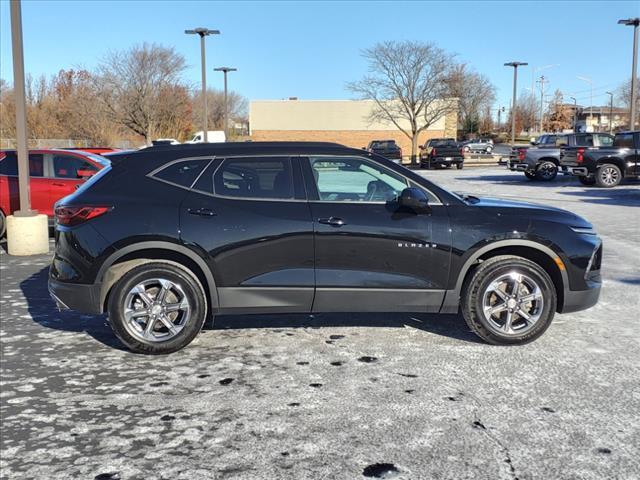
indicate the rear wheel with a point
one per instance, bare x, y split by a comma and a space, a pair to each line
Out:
588, 181
547, 171
608, 175
157, 308
509, 300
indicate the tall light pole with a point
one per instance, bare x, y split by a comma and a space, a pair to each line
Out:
226, 70
515, 66
542, 81
610, 111
634, 69
590, 82
203, 32
575, 112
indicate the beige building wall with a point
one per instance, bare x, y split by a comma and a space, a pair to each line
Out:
341, 121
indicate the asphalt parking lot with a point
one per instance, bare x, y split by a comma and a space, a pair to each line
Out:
335, 396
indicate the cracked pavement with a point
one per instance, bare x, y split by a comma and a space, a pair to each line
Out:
335, 396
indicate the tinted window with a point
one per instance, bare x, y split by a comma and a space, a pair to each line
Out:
350, 179
9, 164
623, 140
65, 166
254, 178
584, 140
182, 173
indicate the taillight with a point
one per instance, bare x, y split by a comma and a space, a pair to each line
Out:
580, 155
71, 215
434, 152
521, 154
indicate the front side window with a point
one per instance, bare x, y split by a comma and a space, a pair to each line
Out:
354, 179
65, 166
266, 178
584, 140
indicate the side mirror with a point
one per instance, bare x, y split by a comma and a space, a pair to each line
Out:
84, 173
414, 199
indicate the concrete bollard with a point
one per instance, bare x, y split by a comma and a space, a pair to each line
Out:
27, 235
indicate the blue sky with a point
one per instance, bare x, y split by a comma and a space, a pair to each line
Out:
311, 49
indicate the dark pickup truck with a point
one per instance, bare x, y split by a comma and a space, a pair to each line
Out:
386, 148
441, 152
605, 166
542, 162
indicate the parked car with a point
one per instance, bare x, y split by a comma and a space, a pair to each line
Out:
441, 152
543, 162
605, 166
53, 175
169, 236
213, 136
96, 150
479, 145
386, 148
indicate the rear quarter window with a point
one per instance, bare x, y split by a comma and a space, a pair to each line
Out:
623, 140
182, 172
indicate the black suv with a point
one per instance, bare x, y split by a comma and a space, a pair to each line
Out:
167, 236
386, 148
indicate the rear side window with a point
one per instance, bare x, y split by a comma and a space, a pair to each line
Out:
182, 173
605, 140
585, 140
623, 140
9, 164
268, 178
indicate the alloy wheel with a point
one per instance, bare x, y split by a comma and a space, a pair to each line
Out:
609, 176
156, 310
512, 303
547, 171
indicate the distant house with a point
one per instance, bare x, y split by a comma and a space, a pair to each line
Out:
341, 121
598, 119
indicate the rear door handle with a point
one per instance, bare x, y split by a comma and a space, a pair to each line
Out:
202, 212
333, 221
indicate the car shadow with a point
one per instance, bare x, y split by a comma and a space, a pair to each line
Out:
517, 178
43, 311
625, 197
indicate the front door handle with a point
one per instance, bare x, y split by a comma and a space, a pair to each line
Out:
202, 212
333, 221
58, 184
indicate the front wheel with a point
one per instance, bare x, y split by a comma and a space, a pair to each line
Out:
587, 181
489, 149
157, 308
530, 175
509, 300
608, 176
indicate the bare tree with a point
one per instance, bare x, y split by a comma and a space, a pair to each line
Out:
139, 86
623, 94
407, 82
238, 107
474, 92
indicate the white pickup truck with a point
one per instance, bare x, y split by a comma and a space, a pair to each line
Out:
213, 136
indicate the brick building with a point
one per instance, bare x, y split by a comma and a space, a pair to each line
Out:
341, 121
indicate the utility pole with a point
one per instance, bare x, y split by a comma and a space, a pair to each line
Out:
515, 66
610, 111
542, 81
635, 22
590, 82
575, 113
225, 70
203, 32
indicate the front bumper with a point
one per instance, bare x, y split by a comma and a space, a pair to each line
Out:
76, 296
575, 301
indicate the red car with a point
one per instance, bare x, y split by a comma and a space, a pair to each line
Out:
53, 174
98, 150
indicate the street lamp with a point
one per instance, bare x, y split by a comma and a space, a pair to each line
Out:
203, 32
575, 113
590, 82
610, 111
634, 68
515, 66
226, 70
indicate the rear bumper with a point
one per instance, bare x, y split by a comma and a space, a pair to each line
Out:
579, 171
76, 296
575, 301
441, 161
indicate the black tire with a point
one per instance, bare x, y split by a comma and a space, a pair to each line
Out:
608, 175
530, 175
191, 288
3, 224
587, 181
487, 273
547, 171
460, 166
